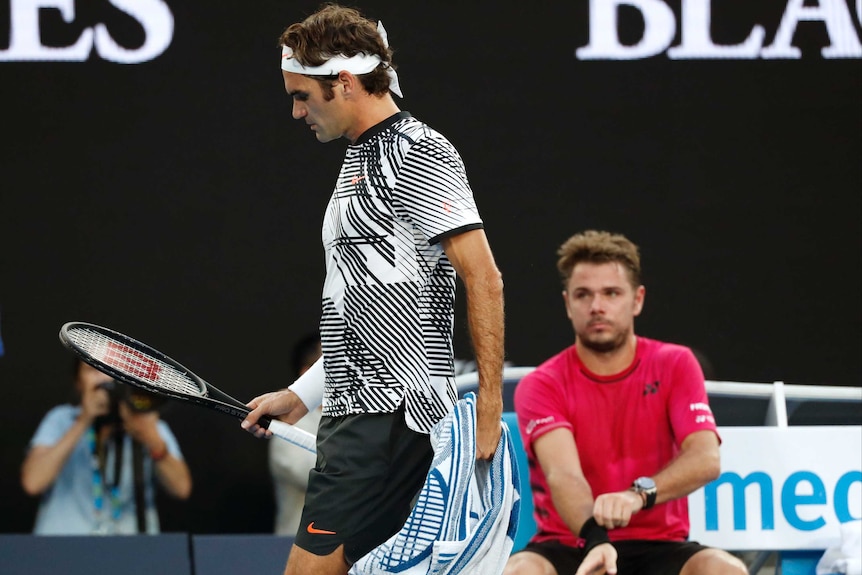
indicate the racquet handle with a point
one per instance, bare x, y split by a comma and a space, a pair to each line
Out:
292, 434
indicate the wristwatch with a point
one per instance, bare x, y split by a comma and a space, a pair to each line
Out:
645, 486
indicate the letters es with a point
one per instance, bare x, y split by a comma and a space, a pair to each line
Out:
660, 27
25, 38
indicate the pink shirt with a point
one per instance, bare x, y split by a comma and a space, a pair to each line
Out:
625, 426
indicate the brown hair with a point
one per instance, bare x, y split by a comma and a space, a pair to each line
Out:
597, 248
334, 30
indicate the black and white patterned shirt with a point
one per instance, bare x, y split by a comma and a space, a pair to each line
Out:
389, 296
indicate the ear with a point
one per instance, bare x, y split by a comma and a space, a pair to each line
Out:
347, 83
640, 295
565, 295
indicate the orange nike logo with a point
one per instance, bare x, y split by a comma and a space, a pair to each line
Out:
312, 529
356, 179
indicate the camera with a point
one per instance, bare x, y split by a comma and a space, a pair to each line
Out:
138, 400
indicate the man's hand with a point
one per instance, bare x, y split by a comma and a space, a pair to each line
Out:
94, 402
142, 427
613, 510
489, 412
172, 473
283, 405
601, 559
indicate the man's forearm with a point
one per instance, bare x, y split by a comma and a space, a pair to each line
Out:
43, 464
697, 464
486, 319
573, 500
174, 476
487, 326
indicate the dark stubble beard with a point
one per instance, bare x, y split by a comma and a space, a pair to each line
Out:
606, 345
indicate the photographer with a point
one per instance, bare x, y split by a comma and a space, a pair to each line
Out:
94, 464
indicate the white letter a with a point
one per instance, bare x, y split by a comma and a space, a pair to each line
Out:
839, 26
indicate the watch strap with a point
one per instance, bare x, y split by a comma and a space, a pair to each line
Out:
649, 498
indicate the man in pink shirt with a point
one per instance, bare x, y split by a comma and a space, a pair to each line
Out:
618, 431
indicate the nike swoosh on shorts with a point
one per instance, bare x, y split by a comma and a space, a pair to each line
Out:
312, 529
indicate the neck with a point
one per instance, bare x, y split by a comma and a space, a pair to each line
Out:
608, 362
370, 111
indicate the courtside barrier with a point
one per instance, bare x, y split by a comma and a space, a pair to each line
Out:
166, 554
784, 489
228, 554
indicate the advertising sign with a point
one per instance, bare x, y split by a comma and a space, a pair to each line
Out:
781, 488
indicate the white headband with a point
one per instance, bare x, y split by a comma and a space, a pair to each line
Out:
359, 64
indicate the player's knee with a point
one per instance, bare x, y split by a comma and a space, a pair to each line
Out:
714, 562
526, 563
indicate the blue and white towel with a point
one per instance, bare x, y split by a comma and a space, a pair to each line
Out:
465, 519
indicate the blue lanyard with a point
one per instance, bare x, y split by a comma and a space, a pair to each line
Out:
99, 488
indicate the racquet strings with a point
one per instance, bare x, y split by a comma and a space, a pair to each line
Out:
133, 362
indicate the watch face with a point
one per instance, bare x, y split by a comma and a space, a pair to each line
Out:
645, 483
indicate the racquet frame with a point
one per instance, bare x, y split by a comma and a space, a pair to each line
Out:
209, 396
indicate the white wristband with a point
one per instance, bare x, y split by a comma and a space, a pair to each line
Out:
309, 385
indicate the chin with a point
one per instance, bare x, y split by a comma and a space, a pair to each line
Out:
603, 345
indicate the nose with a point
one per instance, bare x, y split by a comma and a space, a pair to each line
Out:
299, 110
597, 305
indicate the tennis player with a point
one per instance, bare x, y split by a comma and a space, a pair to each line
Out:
401, 224
618, 431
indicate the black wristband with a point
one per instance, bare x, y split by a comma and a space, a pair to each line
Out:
593, 534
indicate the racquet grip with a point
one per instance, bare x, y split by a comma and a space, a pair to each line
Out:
294, 435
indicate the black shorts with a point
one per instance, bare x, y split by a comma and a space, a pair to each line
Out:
635, 557
369, 469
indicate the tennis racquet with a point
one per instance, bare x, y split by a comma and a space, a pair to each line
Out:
137, 364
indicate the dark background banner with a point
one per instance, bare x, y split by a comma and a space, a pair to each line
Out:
174, 198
